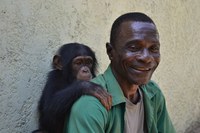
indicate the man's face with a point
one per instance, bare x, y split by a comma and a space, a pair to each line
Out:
136, 52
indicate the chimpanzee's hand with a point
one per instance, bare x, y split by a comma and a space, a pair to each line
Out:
97, 91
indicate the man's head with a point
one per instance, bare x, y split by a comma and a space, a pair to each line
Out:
134, 48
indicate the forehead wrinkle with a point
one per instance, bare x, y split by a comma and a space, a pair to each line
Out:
141, 28
144, 27
152, 35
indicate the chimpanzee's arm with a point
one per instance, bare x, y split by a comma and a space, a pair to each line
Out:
61, 102
55, 105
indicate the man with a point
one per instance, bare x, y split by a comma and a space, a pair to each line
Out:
138, 105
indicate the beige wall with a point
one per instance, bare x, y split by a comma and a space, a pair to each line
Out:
32, 30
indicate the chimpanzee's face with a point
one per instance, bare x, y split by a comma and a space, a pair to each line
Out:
81, 67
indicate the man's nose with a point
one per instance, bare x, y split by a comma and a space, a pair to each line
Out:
145, 56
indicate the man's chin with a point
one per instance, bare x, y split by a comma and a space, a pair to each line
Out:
141, 82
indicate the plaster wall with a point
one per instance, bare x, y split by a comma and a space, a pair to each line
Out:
32, 30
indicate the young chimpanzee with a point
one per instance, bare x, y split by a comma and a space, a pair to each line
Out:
73, 66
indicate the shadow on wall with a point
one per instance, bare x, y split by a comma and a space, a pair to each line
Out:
194, 127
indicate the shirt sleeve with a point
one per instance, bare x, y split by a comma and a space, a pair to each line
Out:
164, 124
87, 116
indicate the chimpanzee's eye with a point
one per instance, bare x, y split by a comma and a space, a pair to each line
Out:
88, 62
78, 62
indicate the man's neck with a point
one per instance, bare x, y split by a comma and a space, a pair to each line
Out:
131, 93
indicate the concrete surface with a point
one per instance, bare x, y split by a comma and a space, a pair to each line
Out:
32, 30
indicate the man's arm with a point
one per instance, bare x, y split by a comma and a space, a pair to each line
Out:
87, 116
164, 123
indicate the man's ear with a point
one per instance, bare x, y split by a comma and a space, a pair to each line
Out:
57, 63
109, 49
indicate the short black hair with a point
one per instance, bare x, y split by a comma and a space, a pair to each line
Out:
132, 16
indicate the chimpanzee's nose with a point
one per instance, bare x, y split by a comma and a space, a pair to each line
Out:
85, 69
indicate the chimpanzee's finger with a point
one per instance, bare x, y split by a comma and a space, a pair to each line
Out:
106, 97
110, 101
102, 99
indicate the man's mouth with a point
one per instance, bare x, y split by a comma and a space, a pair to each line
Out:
142, 69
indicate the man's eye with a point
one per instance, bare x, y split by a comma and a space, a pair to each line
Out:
134, 48
155, 49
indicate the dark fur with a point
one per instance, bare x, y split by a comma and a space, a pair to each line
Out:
62, 90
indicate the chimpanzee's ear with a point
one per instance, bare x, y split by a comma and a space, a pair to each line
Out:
57, 63
109, 49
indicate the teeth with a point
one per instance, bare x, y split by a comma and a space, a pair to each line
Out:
142, 69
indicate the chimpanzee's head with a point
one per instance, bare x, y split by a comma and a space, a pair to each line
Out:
76, 61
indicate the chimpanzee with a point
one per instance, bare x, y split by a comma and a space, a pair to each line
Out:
73, 66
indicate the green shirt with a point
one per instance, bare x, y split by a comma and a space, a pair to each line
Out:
89, 116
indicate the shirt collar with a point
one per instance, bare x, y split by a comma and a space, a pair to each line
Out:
115, 90
113, 87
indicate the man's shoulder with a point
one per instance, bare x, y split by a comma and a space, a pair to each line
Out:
86, 115
100, 80
86, 105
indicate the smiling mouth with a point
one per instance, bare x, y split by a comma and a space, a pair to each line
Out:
143, 69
